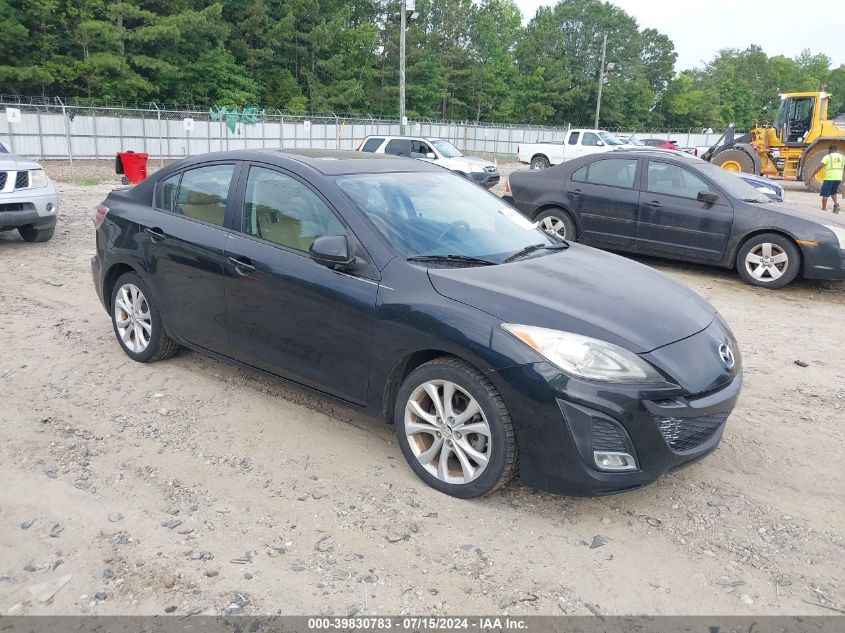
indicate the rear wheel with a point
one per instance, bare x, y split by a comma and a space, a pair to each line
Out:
558, 223
735, 160
31, 234
137, 321
454, 429
540, 162
768, 261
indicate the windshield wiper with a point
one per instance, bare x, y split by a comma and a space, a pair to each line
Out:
457, 259
536, 247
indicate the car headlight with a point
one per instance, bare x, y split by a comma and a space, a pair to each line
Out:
767, 190
839, 233
586, 357
475, 168
37, 178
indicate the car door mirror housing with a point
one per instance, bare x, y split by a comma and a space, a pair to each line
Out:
707, 197
600, 143
331, 251
431, 155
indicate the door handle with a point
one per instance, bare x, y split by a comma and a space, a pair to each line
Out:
242, 264
154, 232
576, 192
654, 203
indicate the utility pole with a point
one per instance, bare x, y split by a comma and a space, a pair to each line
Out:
402, 19
601, 78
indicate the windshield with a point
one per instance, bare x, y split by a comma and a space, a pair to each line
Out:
423, 214
609, 139
730, 183
446, 149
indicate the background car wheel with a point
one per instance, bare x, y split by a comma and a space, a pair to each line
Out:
137, 322
540, 162
31, 234
124, 180
812, 180
735, 160
559, 223
454, 429
768, 260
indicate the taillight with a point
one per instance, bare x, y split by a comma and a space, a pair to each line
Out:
100, 215
507, 186
517, 149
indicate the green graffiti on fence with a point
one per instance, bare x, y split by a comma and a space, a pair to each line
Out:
247, 116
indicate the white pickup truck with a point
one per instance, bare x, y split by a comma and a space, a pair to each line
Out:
576, 143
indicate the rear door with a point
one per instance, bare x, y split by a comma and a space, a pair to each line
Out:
285, 313
673, 221
604, 197
183, 238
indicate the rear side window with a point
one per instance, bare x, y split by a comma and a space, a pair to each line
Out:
168, 188
580, 175
573, 138
674, 181
614, 172
372, 144
282, 210
398, 147
203, 193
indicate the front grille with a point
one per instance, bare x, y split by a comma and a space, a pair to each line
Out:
22, 180
17, 206
491, 169
607, 438
493, 180
3, 176
684, 434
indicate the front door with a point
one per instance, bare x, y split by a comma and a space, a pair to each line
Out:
604, 197
673, 221
183, 238
285, 313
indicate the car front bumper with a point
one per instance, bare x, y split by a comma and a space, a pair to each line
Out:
486, 179
824, 261
36, 207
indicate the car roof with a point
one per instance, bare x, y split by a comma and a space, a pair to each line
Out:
398, 136
655, 152
329, 162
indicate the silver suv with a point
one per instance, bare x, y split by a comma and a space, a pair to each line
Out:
433, 150
28, 199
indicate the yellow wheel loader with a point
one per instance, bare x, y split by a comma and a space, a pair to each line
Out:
792, 148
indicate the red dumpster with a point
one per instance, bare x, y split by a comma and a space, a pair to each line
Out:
133, 166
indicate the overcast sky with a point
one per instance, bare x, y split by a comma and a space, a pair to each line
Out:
699, 28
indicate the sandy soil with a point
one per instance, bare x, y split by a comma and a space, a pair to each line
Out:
192, 486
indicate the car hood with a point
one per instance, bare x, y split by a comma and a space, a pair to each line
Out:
463, 162
806, 213
582, 290
10, 162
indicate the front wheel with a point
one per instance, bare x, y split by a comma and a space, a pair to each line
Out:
454, 429
768, 261
137, 321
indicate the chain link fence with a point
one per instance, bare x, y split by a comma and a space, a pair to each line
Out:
54, 129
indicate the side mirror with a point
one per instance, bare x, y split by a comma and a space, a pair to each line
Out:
600, 143
708, 197
331, 251
431, 156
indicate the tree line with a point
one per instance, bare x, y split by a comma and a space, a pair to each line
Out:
465, 61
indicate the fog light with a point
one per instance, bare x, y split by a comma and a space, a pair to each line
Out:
607, 460
49, 207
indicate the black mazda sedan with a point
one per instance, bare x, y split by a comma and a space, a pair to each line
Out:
406, 291
673, 205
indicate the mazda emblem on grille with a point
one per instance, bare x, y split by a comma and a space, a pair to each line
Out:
727, 355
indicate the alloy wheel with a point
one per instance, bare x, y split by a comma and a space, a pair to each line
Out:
766, 262
447, 431
553, 226
132, 317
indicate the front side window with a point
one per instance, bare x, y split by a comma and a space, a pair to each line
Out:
282, 210
423, 213
590, 139
203, 192
372, 144
614, 172
674, 181
420, 149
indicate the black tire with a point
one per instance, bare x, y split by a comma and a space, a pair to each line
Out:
160, 345
540, 162
811, 165
31, 234
502, 450
559, 222
124, 181
786, 271
737, 157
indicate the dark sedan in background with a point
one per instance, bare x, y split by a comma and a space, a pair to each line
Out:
405, 290
673, 205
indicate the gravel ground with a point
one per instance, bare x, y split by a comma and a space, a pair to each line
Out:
191, 486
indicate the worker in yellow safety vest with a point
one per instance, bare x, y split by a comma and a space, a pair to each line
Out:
833, 165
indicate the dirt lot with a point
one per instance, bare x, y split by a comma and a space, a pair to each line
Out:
192, 486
